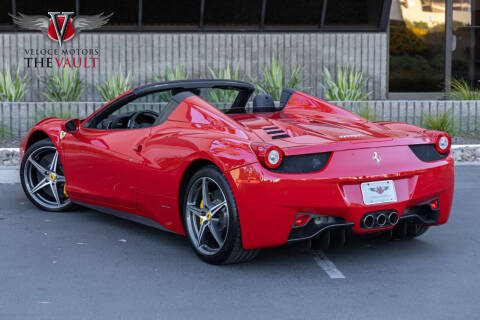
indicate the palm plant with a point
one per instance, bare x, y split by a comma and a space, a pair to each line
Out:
63, 85
224, 96
13, 88
441, 122
274, 79
114, 86
348, 85
461, 90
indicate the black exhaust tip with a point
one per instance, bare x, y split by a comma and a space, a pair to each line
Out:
393, 218
369, 221
381, 219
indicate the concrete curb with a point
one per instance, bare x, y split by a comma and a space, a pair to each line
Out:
9, 174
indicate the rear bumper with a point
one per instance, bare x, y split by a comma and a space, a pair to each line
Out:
269, 202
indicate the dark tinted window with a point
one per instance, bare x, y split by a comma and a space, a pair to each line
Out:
417, 52
5, 19
285, 14
353, 12
233, 13
175, 13
36, 7
125, 13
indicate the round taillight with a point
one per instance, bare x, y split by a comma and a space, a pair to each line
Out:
273, 157
270, 156
443, 143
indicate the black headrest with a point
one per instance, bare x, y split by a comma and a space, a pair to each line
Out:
263, 103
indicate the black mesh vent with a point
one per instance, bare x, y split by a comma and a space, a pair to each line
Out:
427, 152
275, 131
304, 163
281, 136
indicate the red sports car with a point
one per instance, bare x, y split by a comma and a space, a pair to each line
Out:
199, 158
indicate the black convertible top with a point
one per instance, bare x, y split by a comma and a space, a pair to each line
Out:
244, 89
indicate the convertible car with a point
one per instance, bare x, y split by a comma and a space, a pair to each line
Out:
235, 174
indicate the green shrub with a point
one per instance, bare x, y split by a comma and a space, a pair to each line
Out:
347, 86
13, 88
274, 79
367, 112
114, 86
219, 96
53, 114
3, 131
64, 85
170, 75
441, 122
461, 90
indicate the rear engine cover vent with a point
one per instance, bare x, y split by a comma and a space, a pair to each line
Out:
276, 132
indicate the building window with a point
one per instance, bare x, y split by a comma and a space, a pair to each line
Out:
466, 29
125, 13
5, 20
233, 14
174, 15
34, 7
293, 15
417, 45
364, 13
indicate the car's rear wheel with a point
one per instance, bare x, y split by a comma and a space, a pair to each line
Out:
211, 219
42, 177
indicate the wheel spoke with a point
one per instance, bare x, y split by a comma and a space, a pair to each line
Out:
217, 207
42, 184
196, 211
53, 165
201, 232
54, 188
60, 178
37, 165
205, 196
216, 235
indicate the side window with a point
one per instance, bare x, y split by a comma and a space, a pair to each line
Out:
141, 112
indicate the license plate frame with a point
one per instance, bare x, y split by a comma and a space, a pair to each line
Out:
378, 192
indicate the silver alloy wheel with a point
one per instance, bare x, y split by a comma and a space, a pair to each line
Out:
207, 215
44, 178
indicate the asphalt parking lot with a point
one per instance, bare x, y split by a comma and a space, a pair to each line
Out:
87, 265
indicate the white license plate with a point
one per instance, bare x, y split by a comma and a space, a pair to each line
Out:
378, 192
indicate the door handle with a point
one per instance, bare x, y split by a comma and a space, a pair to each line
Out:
137, 148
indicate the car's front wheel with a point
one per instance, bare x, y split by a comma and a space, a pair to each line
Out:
211, 219
42, 177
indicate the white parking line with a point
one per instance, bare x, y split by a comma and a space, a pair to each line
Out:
327, 265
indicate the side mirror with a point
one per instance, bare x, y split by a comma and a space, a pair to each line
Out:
72, 125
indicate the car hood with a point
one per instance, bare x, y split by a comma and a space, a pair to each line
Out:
290, 130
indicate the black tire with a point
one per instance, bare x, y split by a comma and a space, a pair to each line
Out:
232, 250
65, 203
415, 229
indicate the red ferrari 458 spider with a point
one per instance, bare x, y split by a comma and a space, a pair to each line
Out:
199, 158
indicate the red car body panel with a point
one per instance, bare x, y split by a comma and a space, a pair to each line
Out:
140, 171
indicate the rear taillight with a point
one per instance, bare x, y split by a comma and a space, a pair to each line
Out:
443, 143
269, 155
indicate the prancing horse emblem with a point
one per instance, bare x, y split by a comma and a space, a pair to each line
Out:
376, 157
